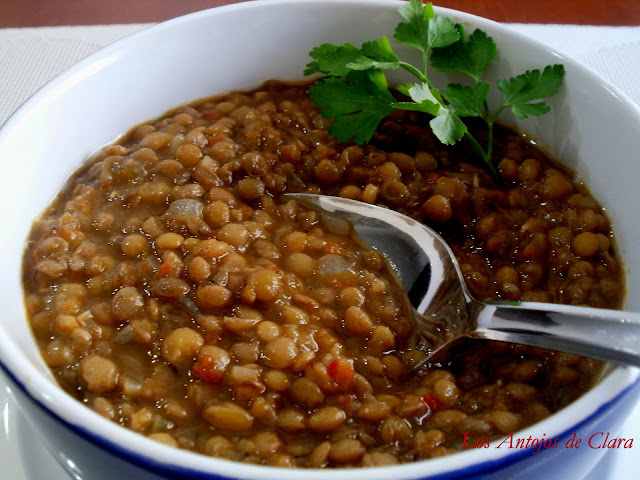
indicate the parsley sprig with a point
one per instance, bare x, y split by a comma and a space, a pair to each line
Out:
356, 94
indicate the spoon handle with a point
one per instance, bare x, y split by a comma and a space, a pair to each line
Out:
611, 335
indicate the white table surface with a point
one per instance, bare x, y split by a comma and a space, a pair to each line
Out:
29, 57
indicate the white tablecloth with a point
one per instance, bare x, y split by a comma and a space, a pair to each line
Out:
31, 56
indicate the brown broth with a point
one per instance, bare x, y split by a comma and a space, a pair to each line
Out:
172, 291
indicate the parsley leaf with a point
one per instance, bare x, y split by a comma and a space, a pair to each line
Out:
414, 32
442, 32
422, 94
471, 57
448, 127
532, 85
332, 59
375, 54
468, 101
424, 31
357, 104
356, 93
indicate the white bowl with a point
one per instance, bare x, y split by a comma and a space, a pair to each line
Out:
593, 128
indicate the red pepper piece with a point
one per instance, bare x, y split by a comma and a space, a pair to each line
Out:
431, 401
205, 371
341, 371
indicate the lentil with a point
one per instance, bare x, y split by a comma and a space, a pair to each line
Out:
171, 277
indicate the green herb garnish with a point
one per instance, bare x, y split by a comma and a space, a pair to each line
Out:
356, 93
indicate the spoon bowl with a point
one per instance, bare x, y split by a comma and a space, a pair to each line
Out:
444, 309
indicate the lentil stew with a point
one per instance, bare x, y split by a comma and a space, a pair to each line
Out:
172, 291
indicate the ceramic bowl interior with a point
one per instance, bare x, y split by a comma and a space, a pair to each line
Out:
593, 128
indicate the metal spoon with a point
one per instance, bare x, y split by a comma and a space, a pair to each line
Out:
446, 311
